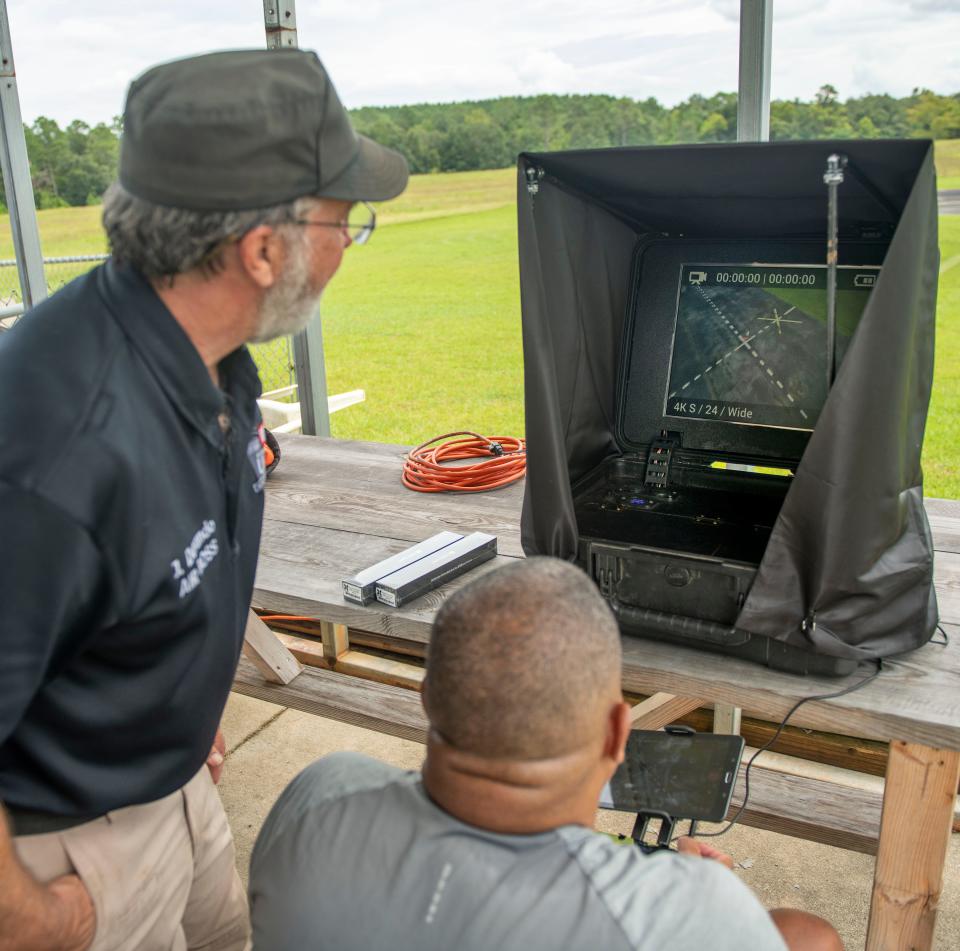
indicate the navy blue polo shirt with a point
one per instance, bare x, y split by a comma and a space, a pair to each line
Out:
131, 500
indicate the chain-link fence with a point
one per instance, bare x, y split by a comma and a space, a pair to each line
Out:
275, 364
274, 359
59, 271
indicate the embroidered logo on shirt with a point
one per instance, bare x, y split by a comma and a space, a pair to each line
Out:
255, 455
203, 548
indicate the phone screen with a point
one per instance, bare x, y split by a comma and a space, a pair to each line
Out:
685, 776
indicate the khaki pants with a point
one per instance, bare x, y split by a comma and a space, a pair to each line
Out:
161, 875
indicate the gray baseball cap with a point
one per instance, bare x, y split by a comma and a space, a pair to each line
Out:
245, 129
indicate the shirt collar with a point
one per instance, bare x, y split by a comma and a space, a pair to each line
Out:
165, 347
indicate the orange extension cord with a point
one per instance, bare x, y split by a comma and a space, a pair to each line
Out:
287, 617
504, 460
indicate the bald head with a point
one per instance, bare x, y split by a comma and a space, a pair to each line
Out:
524, 663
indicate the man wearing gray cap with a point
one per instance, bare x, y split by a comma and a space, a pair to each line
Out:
132, 511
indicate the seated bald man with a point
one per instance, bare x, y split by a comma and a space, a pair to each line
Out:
491, 846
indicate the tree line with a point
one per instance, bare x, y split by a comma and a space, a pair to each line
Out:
490, 133
74, 165
71, 166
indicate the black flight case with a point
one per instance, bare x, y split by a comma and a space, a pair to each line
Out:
688, 444
722, 375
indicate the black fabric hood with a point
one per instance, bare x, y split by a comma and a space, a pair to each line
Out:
848, 570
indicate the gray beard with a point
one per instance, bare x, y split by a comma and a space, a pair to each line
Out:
288, 306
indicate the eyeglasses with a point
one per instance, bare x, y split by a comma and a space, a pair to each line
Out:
359, 223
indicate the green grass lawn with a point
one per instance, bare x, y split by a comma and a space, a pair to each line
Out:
65, 231
941, 447
947, 160
426, 318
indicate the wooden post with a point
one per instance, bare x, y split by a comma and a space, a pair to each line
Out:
918, 804
660, 709
336, 641
263, 648
726, 719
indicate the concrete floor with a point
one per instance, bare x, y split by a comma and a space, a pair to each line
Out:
268, 745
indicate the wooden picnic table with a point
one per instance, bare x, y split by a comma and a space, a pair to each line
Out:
334, 506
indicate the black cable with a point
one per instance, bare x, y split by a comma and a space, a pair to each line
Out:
946, 640
746, 773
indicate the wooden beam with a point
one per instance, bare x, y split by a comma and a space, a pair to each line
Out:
336, 640
327, 693
272, 659
383, 670
918, 807
834, 749
816, 803
360, 638
661, 709
393, 645
726, 719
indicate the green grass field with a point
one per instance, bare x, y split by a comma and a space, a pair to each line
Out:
941, 447
947, 158
426, 318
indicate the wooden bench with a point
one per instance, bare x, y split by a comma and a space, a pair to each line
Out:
838, 807
334, 506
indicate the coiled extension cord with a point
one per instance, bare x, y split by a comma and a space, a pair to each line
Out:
502, 460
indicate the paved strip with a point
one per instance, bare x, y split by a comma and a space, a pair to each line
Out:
744, 342
949, 264
948, 202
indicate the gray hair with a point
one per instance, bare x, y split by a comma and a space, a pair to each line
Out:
162, 242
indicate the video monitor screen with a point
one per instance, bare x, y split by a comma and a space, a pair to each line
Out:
685, 776
750, 341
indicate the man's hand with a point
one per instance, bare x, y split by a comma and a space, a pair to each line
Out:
76, 912
57, 916
689, 846
218, 753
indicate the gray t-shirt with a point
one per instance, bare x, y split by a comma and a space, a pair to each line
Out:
355, 856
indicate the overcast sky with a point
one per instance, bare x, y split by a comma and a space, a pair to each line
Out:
74, 58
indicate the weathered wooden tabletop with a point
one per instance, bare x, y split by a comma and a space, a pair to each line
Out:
334, 506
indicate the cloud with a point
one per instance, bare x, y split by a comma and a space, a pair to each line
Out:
620, 48
544, 71
935, 6
782, 9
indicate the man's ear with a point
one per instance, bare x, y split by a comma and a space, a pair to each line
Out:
425, 695
260, 252
618, 732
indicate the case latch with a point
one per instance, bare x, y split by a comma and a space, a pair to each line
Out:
606, 574
658, 460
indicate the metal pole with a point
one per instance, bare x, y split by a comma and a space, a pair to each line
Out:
17, 185
753, 125
280, 23
832, 178
753, 101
